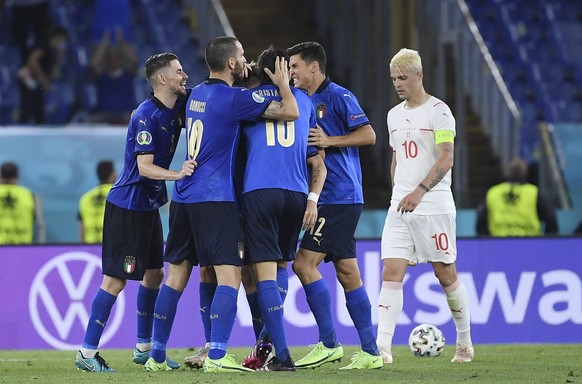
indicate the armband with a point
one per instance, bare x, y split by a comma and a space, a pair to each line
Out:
313, 197
444, 136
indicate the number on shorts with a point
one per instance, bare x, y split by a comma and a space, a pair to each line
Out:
316, 229
441, 241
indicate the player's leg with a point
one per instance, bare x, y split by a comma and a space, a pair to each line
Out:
222, 252
272, 308
390, 302
118, 242
207, 288
181, 256
397, 252
222, 315
328, 349
261, 351
88, 358
165, 310
249, 282
360, 310
149, 287
458, 301
444, 246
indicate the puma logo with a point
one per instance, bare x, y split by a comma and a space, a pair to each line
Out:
384, 306
460, 310
317, 240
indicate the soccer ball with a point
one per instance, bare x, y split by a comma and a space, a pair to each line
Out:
426, 340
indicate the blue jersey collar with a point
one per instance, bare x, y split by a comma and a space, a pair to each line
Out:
213, 80
323, 85
156, 101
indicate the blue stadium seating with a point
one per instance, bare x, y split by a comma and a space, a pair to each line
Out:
536, 44
154, 26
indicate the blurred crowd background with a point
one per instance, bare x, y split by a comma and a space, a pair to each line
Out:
71, 71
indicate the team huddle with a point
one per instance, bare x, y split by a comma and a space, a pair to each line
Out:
266, 161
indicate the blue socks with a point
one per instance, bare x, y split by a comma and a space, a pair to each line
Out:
165, 312
283, 282
272, 309
146, 301
319, 300
222, 315
100, 311
206, 294
283, 287
253, 300
360, 310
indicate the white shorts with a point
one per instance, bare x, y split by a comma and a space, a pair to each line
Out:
420, 238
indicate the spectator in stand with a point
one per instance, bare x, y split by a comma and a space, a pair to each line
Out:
516, 207
29, 16
17, 208
92, 204
113, 68
39, 74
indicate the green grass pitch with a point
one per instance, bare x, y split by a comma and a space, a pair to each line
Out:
519, 363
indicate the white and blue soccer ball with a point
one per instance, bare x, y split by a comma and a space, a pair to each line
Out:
426, 340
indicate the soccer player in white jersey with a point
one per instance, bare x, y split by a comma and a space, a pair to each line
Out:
420, 226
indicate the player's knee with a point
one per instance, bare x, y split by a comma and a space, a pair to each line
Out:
349, 280
153, 278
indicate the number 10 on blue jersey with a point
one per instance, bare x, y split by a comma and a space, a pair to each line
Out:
195, 130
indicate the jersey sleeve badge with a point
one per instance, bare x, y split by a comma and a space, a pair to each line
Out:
258, 97
144, 138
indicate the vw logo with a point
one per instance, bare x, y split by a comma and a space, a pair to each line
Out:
60, 299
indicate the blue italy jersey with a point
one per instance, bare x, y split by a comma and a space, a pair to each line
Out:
213, 116
277, 150
153, 129
339, 113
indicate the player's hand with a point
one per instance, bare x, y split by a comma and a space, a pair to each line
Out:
188, 168
310, 216
246, 70
318, 138
281, 76
410, 201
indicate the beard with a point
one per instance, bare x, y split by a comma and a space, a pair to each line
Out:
238, 72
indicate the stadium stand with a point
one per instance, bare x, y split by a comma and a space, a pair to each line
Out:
153, 26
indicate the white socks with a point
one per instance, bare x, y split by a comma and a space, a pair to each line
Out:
389, 307
458, 301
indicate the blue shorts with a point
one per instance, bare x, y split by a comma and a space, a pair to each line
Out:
272, 220
205, 234
133, 241
333, 232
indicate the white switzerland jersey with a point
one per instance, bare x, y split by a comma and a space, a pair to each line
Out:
412, 137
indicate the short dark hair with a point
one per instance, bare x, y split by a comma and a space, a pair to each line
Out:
218, 51
309, 51
9, 170
267, 60
104, 170
156, 62
516, 171
254, 77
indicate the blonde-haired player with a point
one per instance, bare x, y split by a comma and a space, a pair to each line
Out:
420, 225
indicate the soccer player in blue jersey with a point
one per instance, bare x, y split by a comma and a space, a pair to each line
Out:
275, 200
132, 230
204, 222
342, 127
